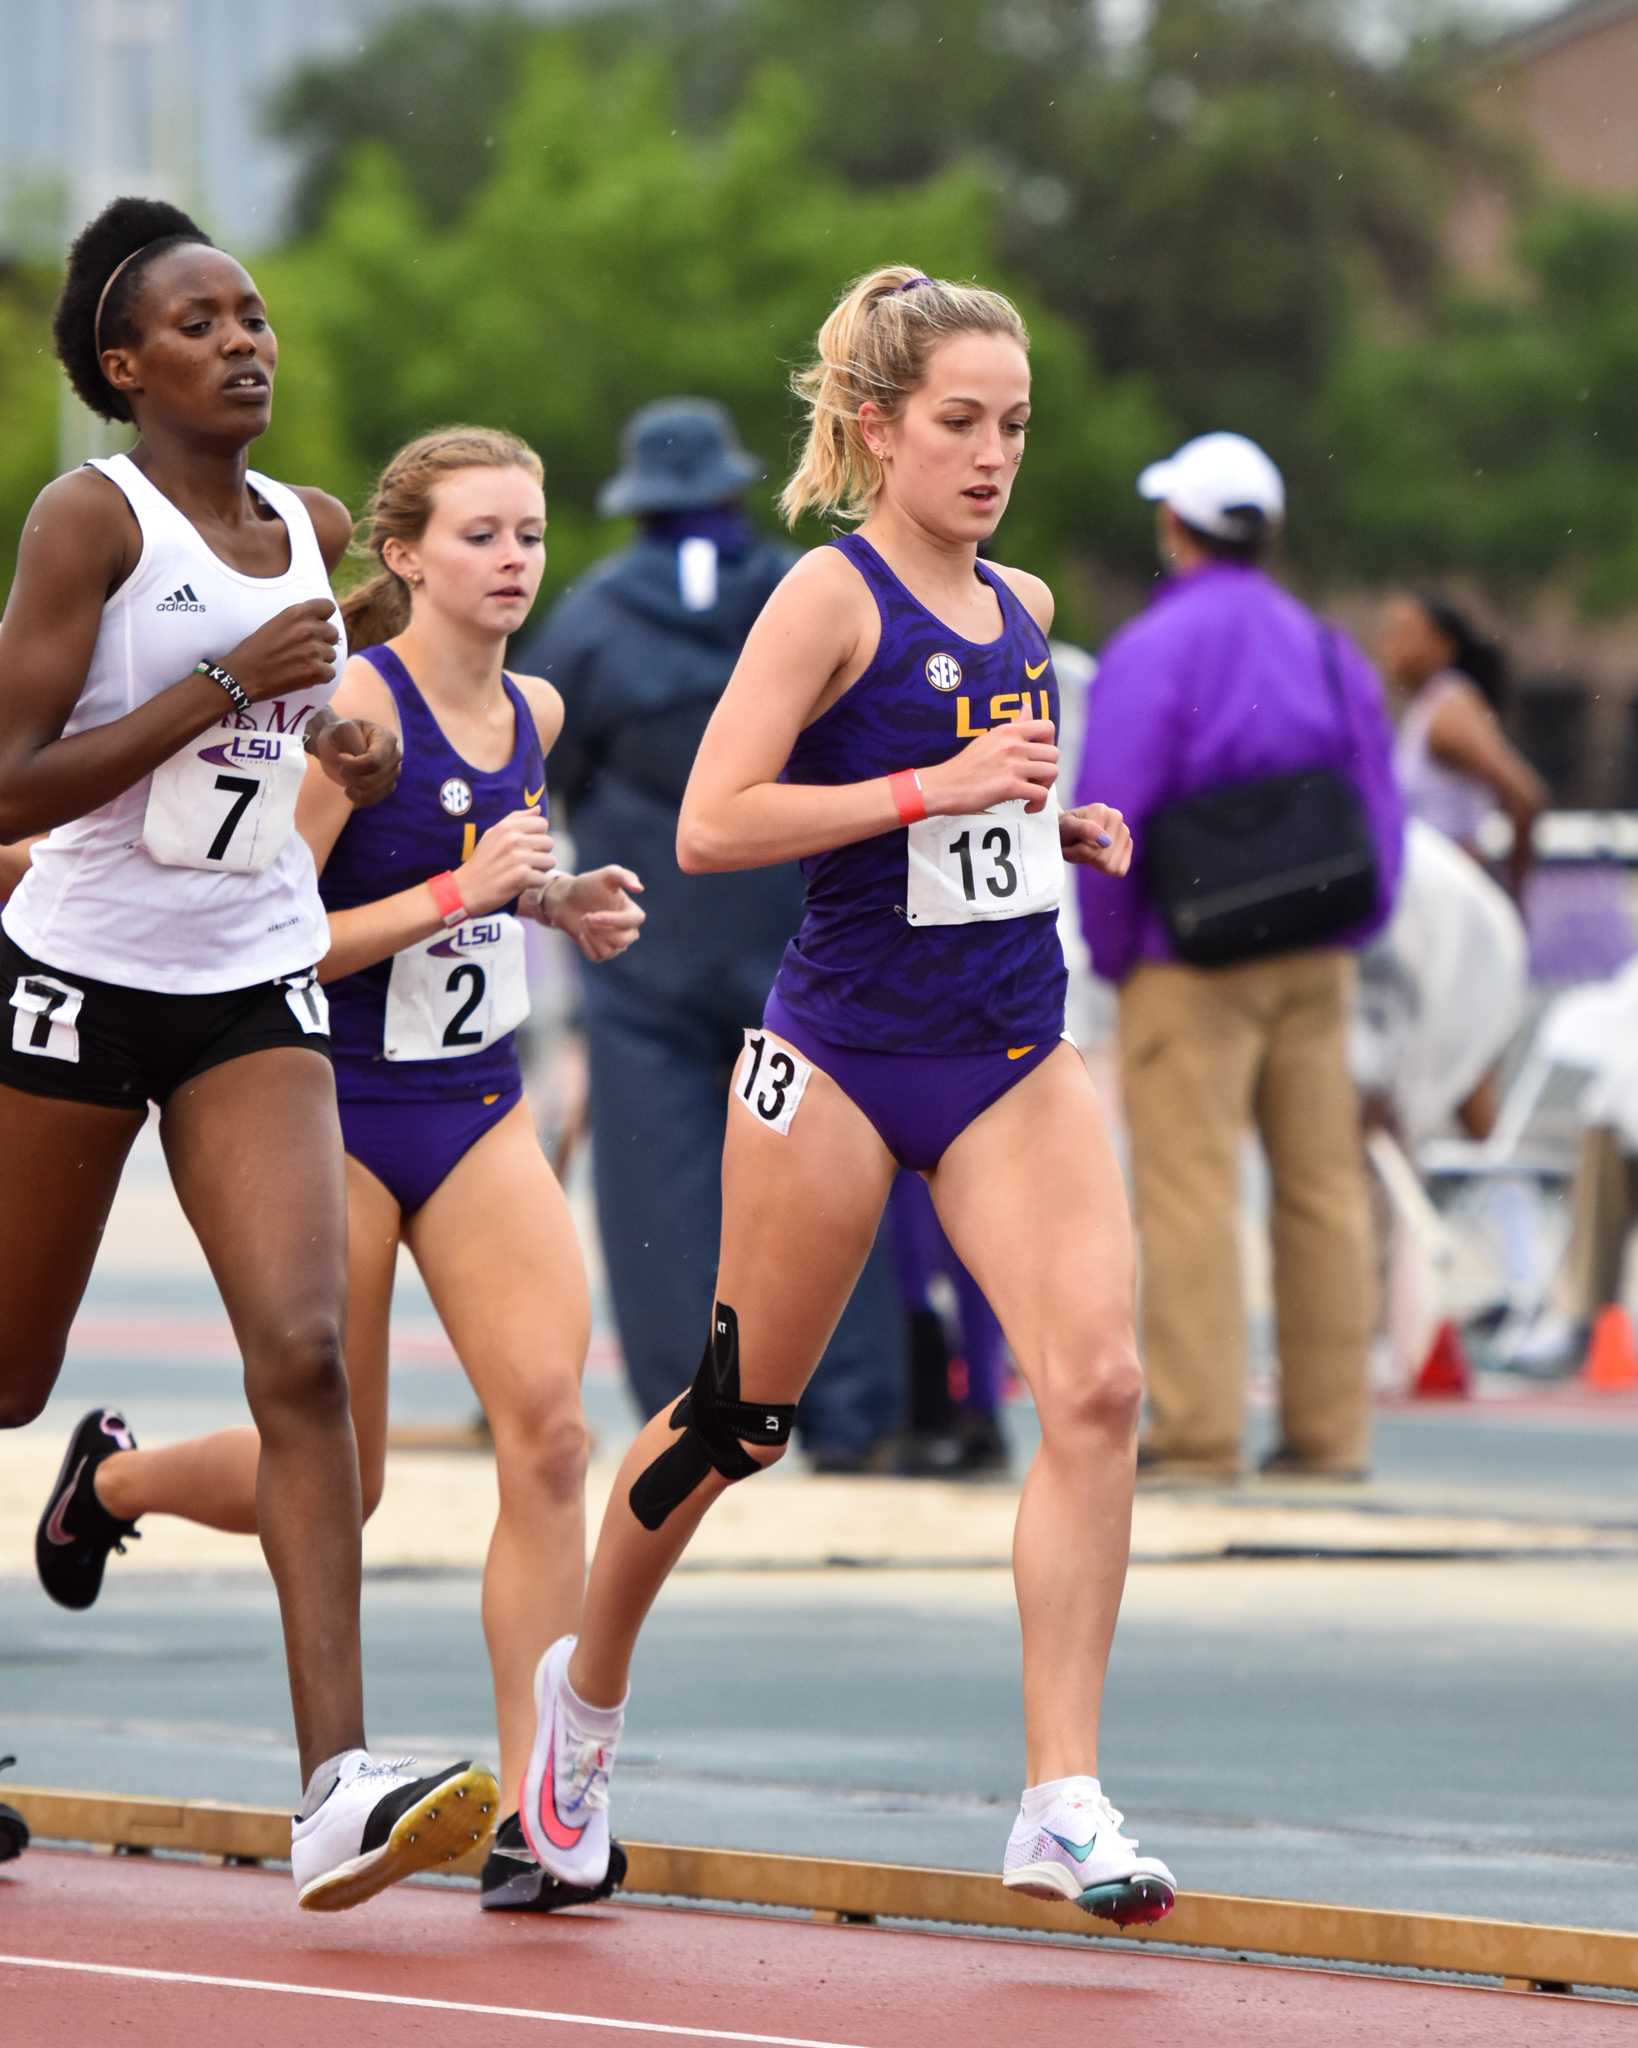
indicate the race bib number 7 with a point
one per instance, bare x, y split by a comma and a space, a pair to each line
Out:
1001, 863
226, 802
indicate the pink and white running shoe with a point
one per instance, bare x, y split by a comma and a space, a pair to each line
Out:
563, 1803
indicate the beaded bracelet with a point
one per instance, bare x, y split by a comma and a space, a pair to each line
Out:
230, 683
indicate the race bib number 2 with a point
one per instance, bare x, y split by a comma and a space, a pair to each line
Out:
228, 802
771, 1081
994, 864
457, 992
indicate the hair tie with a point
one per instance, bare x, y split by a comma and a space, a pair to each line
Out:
911, 284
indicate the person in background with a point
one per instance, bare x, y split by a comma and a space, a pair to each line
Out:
1226, 681
1454, 763
957, 1366
641, 649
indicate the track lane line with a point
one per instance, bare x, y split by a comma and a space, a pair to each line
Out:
500, 2012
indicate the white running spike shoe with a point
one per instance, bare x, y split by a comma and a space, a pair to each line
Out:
381, 1822
564, 1799
1076, 1851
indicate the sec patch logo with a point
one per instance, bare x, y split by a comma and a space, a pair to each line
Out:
944, 672
456, 796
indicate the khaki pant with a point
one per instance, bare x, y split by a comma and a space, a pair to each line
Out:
1204, 1055
1605, 1205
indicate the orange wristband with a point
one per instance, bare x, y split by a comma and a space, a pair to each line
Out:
908, 796
446, 893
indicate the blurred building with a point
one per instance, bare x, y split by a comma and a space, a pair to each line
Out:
1565, 90
165, 97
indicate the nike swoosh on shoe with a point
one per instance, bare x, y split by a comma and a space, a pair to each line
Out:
56, 1529
556, 1830
1079, 1850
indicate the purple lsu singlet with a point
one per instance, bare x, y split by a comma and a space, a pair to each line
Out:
433, 819
858, 973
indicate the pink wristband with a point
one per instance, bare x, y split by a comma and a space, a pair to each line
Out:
446, 894
908, 796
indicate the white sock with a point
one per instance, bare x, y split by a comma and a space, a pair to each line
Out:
1038, 1800
593, 1720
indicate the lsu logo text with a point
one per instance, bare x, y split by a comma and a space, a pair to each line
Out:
245, 750
470, 937
1006, 707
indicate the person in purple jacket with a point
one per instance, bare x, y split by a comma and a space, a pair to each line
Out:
890, 724
1224, 679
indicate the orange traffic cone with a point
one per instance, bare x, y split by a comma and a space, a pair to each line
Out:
1612, 1356
1444, 1374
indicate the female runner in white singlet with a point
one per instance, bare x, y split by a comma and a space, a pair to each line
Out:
166, 661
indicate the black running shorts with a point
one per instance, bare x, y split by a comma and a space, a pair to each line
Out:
92, 1041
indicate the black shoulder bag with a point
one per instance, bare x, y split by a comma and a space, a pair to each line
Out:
1271, 865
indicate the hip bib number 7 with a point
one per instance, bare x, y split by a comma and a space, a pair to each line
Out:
227, 804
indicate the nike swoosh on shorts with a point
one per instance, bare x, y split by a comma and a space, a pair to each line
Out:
1017, 1052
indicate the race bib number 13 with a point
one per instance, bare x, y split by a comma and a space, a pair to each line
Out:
771, 1081
1000, 863
226, 802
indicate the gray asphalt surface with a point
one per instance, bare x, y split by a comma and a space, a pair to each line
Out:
1443, 1736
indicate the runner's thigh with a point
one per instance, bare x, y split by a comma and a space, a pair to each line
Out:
799, 1215
255, 1152
60, 1164
1031, 1197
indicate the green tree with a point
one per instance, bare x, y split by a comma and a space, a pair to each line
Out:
29, 394
613, 255
429, 86
1503, 442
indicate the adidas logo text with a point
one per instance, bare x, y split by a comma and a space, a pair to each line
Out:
182, 600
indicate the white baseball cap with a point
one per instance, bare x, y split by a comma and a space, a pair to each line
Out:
1221, 483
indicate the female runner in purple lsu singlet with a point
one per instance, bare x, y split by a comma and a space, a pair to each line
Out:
426, 986
891, 725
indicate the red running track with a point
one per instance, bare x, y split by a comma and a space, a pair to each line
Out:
154, 1954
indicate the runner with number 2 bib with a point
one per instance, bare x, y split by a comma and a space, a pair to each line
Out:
426, 979
166, 664
891, 724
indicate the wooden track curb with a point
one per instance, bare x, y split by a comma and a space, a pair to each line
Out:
1520, 1954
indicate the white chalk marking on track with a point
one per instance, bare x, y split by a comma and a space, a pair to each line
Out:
494, 2012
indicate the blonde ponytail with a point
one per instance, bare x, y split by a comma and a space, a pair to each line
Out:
875, 346
399, 508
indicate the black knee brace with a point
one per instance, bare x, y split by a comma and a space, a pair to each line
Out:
716, 1425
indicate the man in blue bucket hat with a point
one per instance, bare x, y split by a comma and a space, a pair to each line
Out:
641, 648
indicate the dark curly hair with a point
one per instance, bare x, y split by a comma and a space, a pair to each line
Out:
124, 227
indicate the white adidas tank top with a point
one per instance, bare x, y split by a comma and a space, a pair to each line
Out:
95, 900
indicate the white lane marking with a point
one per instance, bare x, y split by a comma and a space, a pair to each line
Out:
497, 2012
